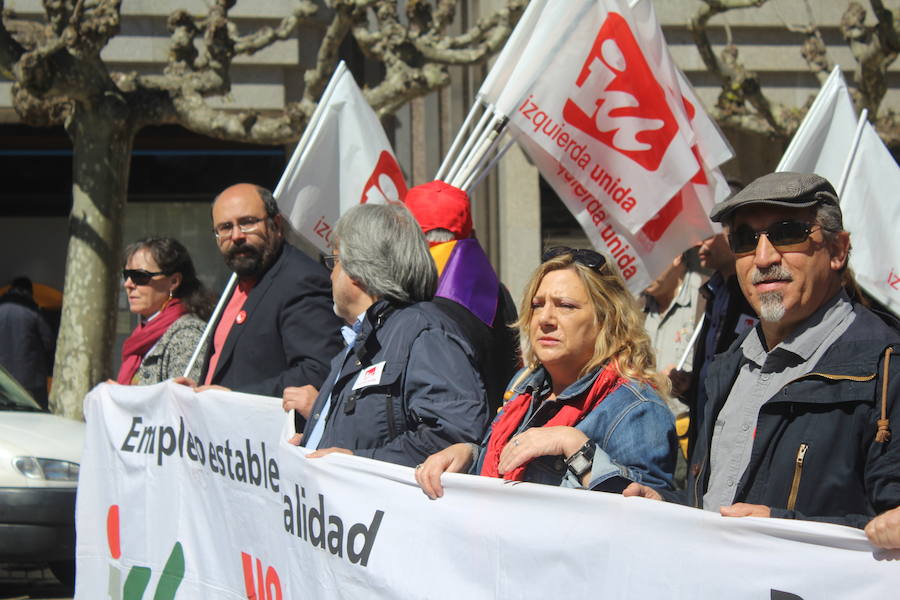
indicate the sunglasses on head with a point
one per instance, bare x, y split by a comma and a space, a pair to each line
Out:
589, 258
782, 235
140, 276
328, 260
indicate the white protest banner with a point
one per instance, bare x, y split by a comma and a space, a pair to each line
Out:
596, 89
343, 159
197, 496
822, 145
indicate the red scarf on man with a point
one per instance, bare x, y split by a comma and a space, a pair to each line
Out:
144, 337
608, 381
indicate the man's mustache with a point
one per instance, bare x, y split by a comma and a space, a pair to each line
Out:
771, 273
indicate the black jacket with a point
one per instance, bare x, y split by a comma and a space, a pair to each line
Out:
427, 395
829, 416
290, 333
496, 347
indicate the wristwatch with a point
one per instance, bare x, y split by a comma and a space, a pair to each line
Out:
582, 461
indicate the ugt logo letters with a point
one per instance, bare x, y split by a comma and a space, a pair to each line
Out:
618, 100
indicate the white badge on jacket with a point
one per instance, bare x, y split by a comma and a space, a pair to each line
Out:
369, 376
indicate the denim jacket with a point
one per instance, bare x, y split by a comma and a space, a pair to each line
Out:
632, 429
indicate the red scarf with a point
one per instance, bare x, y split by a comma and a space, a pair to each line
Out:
608, 381
144, 337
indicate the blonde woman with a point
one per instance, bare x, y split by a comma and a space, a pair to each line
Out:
587, 410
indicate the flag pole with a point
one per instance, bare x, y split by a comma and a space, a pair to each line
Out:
483, 145
209, 325
691, 342
445, 164
475, 135
860, 127
484, 173
481, 170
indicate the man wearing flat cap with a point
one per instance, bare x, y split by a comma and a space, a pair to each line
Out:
800, 408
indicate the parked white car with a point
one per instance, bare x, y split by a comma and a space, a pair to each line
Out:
39, 461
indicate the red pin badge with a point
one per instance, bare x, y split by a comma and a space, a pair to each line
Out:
241, 317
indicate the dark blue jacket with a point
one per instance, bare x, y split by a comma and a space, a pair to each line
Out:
841, 475
289, 334
428, 394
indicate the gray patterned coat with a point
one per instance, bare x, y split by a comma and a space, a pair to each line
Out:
170, 356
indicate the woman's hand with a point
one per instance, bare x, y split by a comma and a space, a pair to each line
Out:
455, 459
540, 441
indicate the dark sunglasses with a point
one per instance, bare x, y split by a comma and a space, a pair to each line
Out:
328, 260
589, 258
782, 235
140, 276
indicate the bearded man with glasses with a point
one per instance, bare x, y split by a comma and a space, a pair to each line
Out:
278, 329
798, 419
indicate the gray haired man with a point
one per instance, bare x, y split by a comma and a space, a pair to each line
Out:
406, 386
798, 420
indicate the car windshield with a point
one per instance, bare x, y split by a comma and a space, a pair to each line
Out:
13, 396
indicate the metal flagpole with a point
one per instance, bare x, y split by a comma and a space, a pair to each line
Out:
691, 342
445, 164
482, 146
860, 126
477, 132
472, 184
212, 320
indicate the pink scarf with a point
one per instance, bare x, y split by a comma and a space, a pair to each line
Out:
144, 337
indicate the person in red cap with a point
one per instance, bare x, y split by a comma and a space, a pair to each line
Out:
468, 289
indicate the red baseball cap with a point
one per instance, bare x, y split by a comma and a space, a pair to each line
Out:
438, 205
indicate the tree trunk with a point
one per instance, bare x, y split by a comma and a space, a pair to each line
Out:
102, 135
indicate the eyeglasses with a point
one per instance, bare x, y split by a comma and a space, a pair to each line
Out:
245, 224
782, 235
140, 276
589, 258
328, 260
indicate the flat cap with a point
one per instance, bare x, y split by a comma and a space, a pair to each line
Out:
798, 190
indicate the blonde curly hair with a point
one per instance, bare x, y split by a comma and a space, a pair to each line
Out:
622, 339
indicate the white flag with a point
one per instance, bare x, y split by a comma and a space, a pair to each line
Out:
642, 256
824, 137
344, 159
871, 209
596, 89
869, 204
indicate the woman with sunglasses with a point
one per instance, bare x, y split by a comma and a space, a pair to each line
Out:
162, 287
586, 411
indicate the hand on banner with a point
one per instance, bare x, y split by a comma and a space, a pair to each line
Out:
300, 399
454, 459
326, 451
206, 388
641, 491
742, 509
540, 441
296, 439
884, 530
681, 381
186, 381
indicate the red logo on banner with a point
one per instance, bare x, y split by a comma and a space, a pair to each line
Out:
386, 184
618, 100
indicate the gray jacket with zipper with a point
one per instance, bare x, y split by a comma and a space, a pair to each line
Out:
815, 455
